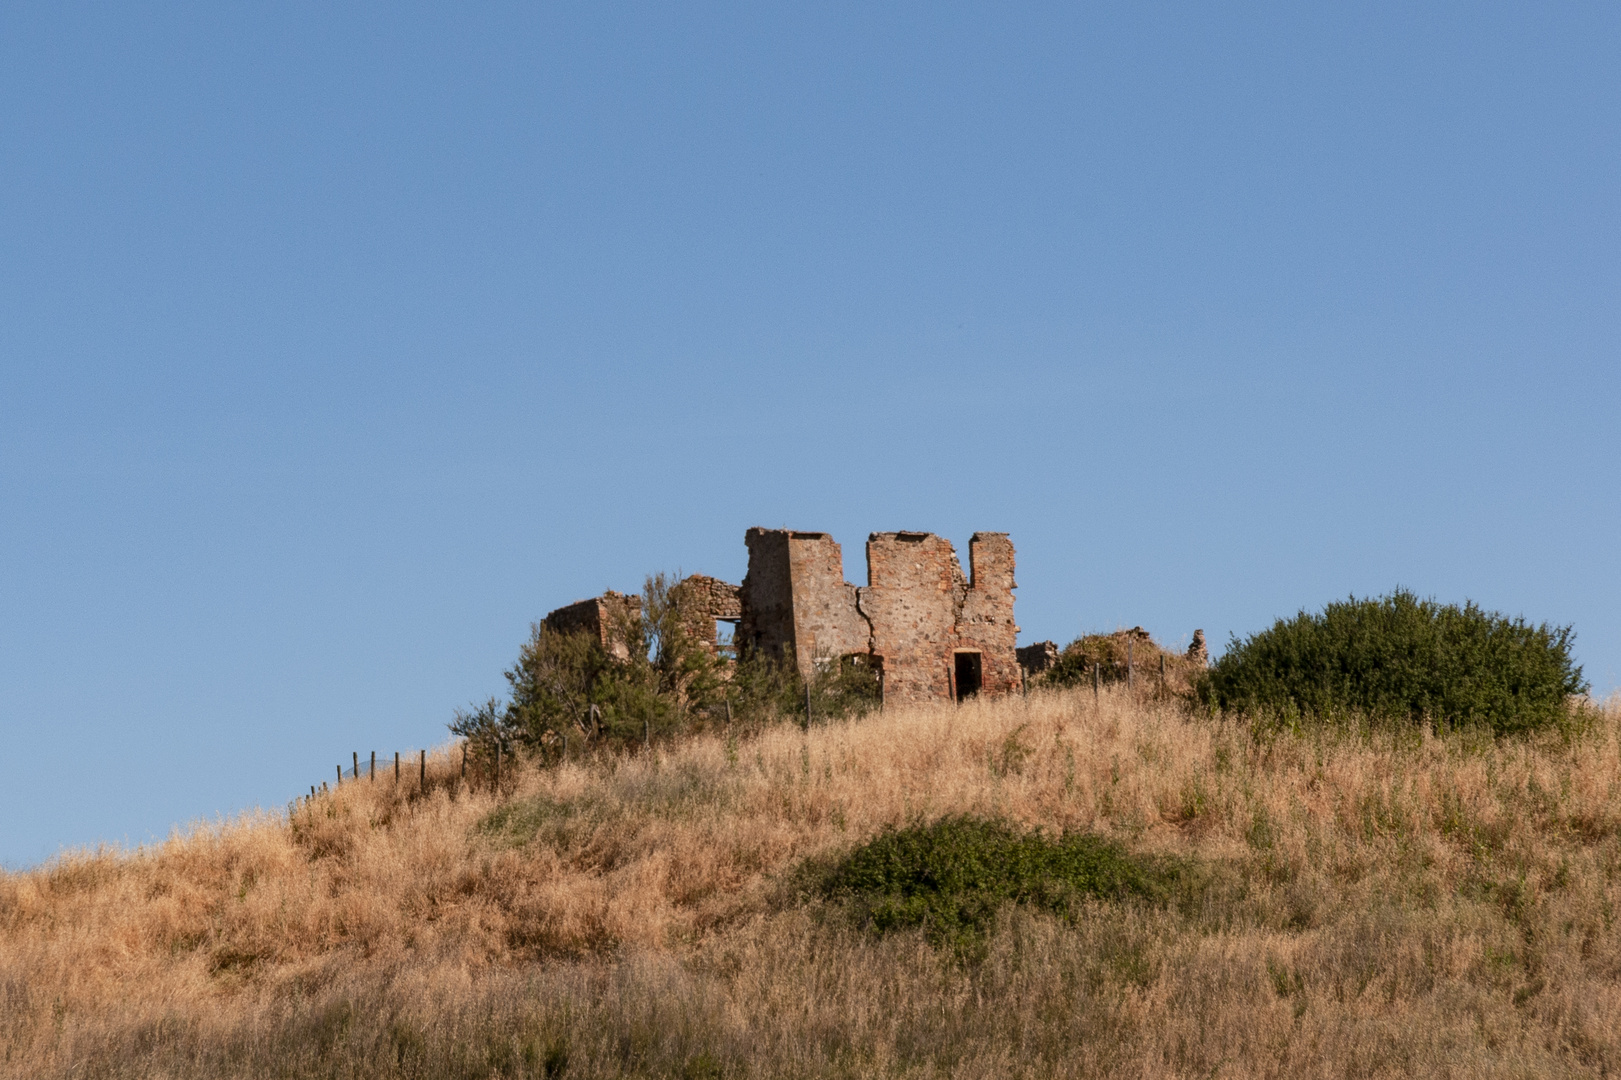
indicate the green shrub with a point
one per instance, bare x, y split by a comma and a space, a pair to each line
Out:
950, 877
1401, 658
567, 687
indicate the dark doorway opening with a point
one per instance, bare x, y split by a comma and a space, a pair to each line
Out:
968, 675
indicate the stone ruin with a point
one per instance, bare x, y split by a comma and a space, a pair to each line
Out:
1038, 657
606, 618
932, 632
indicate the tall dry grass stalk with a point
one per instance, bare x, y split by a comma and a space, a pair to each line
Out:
1367, 904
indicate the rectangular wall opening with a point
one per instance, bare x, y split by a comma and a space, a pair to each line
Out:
726, 637
968, 674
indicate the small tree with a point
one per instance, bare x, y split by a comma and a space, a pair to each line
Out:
684, 670
553, 685
566, 685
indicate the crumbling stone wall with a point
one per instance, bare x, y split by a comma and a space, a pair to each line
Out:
985, 613
699, 601
911, 604
924, 623
607, 618
795, 601
1198, 654
1038, 657
917, 612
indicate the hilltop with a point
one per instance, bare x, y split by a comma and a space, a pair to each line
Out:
1337, 902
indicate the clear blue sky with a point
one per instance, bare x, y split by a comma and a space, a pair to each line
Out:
339, 342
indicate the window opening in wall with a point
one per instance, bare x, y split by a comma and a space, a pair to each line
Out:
726, 637
968, 675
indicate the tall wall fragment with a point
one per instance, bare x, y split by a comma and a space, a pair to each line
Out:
911, 603
940, 635
795, 601
985, 616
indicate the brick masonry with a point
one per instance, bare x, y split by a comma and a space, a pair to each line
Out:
605, 618
914, 615
795, 601
700, 601
1038, 657
919, 618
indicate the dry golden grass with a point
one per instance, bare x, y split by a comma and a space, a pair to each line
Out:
1371, 905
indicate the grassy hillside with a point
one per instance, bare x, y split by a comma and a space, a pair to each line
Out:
1342, 904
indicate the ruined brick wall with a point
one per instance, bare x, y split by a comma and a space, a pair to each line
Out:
985, 616
1038, 657
700, 600
911, 605
607, 618
827, 624
917, 612
795, 600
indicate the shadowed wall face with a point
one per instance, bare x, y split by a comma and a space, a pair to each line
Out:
795, 598
767, 593
604, 617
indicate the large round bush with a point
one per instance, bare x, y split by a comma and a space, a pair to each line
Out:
1399, 657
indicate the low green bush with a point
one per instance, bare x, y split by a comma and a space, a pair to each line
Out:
951, 876
1403, 659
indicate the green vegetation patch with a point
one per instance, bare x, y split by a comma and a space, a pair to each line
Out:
1401, 658
555, 823
951, 876
681, 791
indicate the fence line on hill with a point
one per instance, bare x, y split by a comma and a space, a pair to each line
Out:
412, 776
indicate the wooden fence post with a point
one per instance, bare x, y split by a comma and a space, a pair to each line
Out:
356, 755
340, 775
422, 772
464, 761
396, 768
373, 772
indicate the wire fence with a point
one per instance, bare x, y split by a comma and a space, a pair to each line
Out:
410, 771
